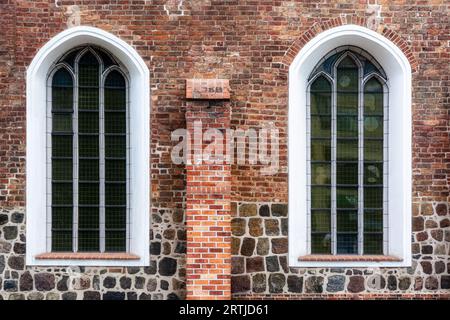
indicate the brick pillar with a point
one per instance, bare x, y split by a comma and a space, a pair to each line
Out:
208, 215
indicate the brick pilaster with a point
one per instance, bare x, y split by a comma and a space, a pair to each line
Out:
208, 216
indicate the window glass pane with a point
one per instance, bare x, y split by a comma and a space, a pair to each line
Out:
115, 80
321, 84
88, 193
347, 103
62, 169
346, 173
347, 150
373, 127
115, 99
347, 197
62, 218
88, 241
115, 241
373, 243
62, 241
320, 197
88, 217
62, 98
373, 197
321, 173
115, 193
115, 122
115, 170
321, 243
88, 122
62, 122
373, 150
373, 103
115, 146
62, 78
320, 150
88, 170
88, 145
373, 85
62, 146
347, 221
115, 217
347, 243
373, 173
88, 99
62, 193
373, 220
347, 126
320, 221
347, 79
88, 70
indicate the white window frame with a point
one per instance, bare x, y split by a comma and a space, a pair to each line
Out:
398, 72
139, 113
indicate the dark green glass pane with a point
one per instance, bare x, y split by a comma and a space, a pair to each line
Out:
88, 70
62, 217
115, 122
347, 150
88, 193
347, 243
62, 98
88, 146
62, 169
347, 103
373, 173
88, 122
106, 58
320, 221
373, 127
115, 217
88, 217
373, 243
347, 197
62, 78
70, 57
62, 122
373, 220
321, 84
62, 193
373, 150
88, 241
62, 146
88, 169
115, 241
373, 103
347, 126
373, 197
373, 85
115, 99
347, 62
321, 103
347, 79
346, 173
62, 241
320, 173
320, 197
115, 170
115, 194
115, 80
88, 99
320, 150
347, 221
321, 243
115, 146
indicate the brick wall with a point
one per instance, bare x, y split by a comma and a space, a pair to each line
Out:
251, 43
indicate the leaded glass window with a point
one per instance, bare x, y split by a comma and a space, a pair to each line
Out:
347, 154
88, 153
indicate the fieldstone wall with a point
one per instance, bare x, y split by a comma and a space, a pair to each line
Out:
164, 278
260, 269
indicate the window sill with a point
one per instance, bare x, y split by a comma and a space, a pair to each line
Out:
121, 256
348, 258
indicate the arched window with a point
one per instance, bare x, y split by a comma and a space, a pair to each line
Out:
88, 141
88, 153
347, 162
349, 152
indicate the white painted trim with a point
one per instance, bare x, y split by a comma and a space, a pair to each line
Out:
398, 71
139, 104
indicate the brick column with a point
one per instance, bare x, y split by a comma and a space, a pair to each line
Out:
208, 216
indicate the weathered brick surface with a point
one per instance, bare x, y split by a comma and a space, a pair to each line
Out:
251, 43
